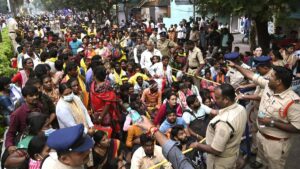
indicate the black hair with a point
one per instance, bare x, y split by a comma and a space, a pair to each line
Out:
277, 54
175, 130
40, 70
3, 82
44, 56
35, 123
191, 99
145, 138
71, 80
36, 145
169, 94
165, 57
33, 81
53, 53
284, 74
70, 66
25, 61
190, 43
227, 91
100, 73
29, 91
59, 65
44, 77
62, 87
97, 137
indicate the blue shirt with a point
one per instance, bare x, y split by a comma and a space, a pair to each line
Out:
74, 46
166, 125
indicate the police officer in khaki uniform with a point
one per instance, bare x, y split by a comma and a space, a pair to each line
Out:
195, 61
224, 131
165, 45
263, 67
234, 77
278, 115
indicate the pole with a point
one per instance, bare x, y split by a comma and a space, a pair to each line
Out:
194, 9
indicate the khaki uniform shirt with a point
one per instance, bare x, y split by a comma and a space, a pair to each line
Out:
273, 104
236, 78
221, 137
165, 46
195, 58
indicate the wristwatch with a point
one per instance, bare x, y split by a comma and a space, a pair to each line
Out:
272, 123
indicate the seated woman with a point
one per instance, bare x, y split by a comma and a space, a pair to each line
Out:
107, 153
208, 85
170, 104
183, 93
37, 126
70, 110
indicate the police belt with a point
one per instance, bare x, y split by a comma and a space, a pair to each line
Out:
190, 67
268, 137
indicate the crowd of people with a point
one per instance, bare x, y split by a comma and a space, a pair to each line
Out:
132, 95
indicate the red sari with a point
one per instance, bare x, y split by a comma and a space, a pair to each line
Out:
101, 96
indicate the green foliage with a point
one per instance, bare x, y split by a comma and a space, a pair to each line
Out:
6, 53
262, 9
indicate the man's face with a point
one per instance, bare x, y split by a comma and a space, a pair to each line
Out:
154, 88
32, 99
73, 72
149, 46
139, 80
117, 67
74, 37
273, 81
149, 148
76, 159
171, 118
219, 98
196, 104
47, 83
181, 136
165, 62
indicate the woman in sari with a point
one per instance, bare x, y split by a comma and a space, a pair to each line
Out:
23, 75
104, 101
107, 153
170, 104
70, 110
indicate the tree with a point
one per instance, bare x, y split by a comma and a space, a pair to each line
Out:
98, 7
259, 11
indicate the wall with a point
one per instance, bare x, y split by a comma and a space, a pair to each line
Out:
178, 12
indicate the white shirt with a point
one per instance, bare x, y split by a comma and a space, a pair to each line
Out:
188, 118
65, 117
181, 32
36, 60
141, 161
146, 58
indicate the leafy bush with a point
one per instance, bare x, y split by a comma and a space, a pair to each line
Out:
6, 53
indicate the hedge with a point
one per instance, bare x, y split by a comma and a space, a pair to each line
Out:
6, 53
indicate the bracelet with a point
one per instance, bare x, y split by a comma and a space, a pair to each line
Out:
153, 130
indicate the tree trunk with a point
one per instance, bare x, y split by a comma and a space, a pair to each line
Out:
0, 35
262, 34
252, 38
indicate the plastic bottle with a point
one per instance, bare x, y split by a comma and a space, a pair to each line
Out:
134, 115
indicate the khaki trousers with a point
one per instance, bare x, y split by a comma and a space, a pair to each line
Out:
215, 162
273, 153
